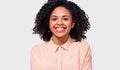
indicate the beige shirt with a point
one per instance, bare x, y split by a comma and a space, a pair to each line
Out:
71, 56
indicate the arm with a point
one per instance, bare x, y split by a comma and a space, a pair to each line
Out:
85, 58
35, 59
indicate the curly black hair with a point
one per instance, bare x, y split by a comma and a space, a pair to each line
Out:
79, 17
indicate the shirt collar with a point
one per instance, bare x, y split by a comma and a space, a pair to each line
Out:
65, 46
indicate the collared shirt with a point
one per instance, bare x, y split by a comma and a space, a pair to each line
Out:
70, 56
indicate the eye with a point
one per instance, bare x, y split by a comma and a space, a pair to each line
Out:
54, 19
65, 18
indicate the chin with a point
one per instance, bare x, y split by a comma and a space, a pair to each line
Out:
60, 36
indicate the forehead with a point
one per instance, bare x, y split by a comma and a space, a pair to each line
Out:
60, 10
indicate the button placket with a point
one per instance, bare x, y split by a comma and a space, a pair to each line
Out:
60, 58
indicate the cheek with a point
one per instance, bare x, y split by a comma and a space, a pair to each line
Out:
69, 25
51, 25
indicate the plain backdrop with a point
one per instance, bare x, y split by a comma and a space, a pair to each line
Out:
16, 38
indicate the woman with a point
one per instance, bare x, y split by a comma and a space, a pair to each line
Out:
62, 25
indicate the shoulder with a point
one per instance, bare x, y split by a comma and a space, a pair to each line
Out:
84, 48
83, 45
36, 48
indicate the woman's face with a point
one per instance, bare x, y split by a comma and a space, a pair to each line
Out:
60, 22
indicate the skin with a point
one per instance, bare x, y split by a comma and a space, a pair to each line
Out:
60, 24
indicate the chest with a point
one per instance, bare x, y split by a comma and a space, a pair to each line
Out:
60, 60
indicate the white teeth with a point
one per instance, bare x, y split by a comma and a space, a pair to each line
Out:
60, 29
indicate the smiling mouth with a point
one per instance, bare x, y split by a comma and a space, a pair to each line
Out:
60, 29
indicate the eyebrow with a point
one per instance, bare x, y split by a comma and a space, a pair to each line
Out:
53, 16
62, 16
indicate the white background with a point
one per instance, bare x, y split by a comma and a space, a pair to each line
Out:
16, 38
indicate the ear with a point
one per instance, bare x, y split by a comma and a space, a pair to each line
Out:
73, 24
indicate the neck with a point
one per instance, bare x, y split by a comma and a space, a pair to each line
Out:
60, 41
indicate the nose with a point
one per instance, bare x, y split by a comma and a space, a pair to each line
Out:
59, 22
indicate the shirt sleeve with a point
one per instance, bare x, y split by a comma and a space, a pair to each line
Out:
35, 59
86, 58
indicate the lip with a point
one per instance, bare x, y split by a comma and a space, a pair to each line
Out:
60, 29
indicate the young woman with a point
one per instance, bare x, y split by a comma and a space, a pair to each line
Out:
62, 25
